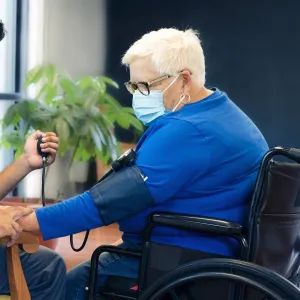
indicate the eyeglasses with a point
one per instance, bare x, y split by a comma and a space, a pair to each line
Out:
144, 87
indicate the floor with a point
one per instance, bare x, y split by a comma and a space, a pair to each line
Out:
101, 236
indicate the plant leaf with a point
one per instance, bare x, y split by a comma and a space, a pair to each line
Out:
113, 147
90, 103
135, 122
115, 105
8, 119
62, 129
108, 81
129, 110
50, 94
43, 91
70, 88
86, 82
13, 139
98, 137
102, 86
24, 109
51, 73
34, 75
123, 121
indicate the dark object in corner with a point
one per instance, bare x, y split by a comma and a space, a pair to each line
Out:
2, 31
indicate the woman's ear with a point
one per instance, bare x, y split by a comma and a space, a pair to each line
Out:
186, 80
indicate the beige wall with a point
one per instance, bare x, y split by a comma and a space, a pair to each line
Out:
75, 35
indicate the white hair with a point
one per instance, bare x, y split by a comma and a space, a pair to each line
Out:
171, 51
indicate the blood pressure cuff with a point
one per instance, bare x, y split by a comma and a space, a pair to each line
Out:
121, 195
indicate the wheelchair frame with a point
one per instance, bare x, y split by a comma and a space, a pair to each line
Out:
202, 224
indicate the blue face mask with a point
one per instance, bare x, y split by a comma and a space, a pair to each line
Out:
148, 108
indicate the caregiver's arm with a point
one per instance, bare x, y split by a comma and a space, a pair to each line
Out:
28, 161
12, 175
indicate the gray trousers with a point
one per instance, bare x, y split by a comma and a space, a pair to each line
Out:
44, 271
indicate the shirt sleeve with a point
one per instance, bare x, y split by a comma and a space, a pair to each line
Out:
172, 157
68, 217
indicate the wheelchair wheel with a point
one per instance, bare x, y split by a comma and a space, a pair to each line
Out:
266, 282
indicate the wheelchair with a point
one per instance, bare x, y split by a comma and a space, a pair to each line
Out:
268, 263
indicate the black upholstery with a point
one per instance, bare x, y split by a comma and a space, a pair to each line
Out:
277, 230
164, 258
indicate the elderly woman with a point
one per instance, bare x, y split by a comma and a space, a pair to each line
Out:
199, 156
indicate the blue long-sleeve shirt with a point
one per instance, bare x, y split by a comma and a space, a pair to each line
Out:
200, 160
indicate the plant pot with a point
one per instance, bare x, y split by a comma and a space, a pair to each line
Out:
33, 203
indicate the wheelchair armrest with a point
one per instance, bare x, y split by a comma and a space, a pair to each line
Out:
207, 225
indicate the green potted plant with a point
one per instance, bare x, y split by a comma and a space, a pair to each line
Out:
82, 112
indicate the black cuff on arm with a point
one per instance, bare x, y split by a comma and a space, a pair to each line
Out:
121, 195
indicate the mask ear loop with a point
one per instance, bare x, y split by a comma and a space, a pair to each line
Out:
182, 100
173, 81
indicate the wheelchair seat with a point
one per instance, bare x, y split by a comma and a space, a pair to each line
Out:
270, 239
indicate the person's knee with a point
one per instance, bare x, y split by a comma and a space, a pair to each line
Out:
59, 266
51, 264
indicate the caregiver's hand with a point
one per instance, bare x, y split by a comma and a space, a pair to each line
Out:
8, 222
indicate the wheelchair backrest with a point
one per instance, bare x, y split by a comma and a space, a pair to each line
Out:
276, 241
